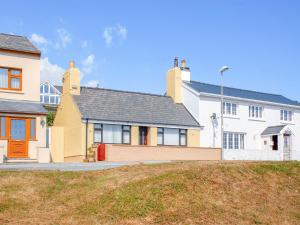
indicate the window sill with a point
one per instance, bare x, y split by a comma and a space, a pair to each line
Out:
255, 119
12, 91
287, 122
232, 117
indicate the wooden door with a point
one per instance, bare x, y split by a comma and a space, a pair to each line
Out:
17, 138
143, 133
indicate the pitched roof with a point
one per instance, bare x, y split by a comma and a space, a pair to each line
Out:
240, 93
27, 107
273, 130
132, 107
17, 43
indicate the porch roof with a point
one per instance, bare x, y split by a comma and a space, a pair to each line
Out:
22, 107
273, 130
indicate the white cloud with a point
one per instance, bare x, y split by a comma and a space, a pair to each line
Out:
64, 38
113, 32
84, 44
51, 72
88, 64
92, 83
38, 39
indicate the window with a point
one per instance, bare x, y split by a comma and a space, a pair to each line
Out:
171, 136
10, 79
229, 109
111, 134
233, 140
2, 127
32, 129
286, 115
255, 112
49, 95
160, 136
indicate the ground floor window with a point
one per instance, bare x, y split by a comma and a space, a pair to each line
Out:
233, 140
171, 136
2, 127
111, 134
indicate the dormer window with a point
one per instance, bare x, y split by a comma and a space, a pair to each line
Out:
229, 109
10, 79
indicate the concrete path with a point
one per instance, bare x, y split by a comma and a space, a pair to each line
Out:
71, 166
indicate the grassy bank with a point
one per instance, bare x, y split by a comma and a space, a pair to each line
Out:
178, 193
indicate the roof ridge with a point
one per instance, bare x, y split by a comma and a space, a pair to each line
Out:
123, 91
243, 89
14, 35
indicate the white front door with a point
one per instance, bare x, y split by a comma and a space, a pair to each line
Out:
286, 147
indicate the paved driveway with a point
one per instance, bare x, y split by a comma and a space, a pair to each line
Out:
71, 166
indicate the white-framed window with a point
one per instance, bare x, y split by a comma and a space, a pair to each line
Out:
49, 95
233, 140
229, 109
286, 115
255, 112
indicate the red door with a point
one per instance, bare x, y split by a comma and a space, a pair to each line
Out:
101, 152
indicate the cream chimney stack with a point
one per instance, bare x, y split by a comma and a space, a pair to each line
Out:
71, 80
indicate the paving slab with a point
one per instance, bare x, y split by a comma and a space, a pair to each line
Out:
71, 166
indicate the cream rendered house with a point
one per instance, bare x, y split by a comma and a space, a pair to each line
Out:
132, 126
22, 117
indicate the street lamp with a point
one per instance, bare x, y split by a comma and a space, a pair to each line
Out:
222, 70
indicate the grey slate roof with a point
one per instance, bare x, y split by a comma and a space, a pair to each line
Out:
132, 107
59, 88
273, 130
21, 107
17, 43
240, 93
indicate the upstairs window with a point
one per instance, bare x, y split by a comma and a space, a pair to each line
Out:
286, 115
49, 95
10, 79
255, 112
229, 109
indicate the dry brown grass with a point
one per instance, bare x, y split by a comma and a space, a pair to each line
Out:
178, 193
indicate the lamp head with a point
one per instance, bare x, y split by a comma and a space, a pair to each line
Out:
223, 69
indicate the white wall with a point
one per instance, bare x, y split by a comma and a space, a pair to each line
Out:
207, 105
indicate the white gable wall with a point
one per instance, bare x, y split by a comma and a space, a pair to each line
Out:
254, 142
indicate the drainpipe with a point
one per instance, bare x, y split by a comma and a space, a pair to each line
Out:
86, 138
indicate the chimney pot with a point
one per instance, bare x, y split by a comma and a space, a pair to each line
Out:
72, 64
176, 62
183, 63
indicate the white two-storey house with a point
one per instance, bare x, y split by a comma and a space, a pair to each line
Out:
257, 126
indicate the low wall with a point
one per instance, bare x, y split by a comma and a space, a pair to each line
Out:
249, 154
119, 153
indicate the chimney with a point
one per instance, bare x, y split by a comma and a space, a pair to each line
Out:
71, 80
174, 82
185, 71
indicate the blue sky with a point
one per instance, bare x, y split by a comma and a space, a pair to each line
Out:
130, 45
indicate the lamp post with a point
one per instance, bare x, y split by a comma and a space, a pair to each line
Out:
222, 70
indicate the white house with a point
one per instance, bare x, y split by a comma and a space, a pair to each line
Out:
257, 126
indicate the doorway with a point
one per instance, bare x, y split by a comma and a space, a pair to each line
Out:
275, 142
286, 147
17, 138
143, 133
